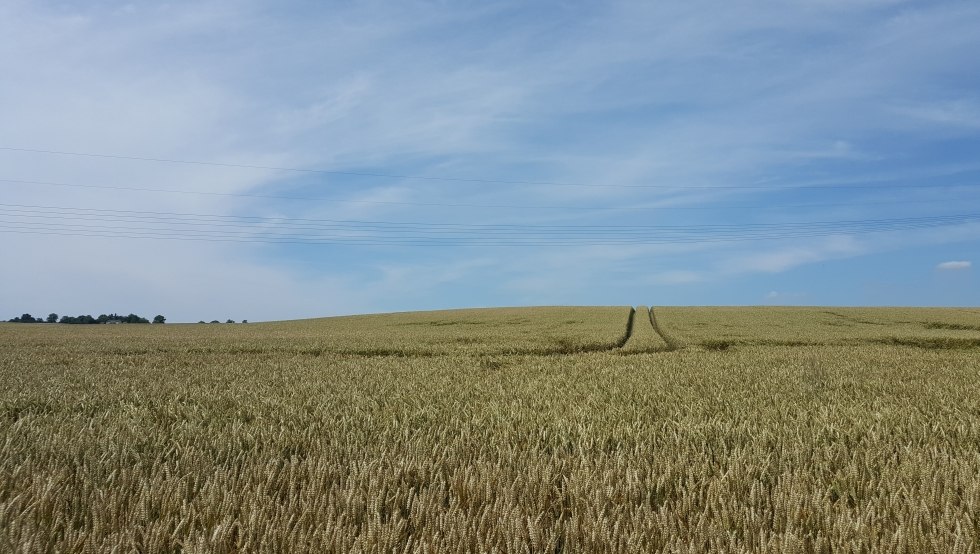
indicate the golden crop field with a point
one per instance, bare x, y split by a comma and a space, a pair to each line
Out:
512, 430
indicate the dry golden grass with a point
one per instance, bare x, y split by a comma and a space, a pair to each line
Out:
542, 330
714, 328
273, 438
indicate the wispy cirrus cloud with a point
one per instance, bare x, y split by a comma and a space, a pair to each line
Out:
962, 114
783, 258
954, 265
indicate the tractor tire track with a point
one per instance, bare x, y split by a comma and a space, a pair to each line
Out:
672, 343
629, 330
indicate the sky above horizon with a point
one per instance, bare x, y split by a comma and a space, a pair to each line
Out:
256, 160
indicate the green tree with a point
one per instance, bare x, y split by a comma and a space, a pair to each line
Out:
159, 319
26, 318
52, 318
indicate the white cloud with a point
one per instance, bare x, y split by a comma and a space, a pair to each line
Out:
776, 295
954, 265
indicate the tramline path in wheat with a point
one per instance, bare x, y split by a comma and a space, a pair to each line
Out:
643, 336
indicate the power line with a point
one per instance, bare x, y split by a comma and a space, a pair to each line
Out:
295, 169
419, 234
448, 179
411, 241
498, 206
103, 213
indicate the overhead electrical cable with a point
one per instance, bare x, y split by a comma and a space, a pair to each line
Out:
103, 213
157, 225
415, 241
293, 169
449, 179
506, 206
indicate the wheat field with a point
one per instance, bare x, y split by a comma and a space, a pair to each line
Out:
512, 430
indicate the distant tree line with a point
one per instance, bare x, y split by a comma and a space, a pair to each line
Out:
87, 319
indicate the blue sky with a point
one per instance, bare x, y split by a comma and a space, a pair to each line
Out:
566, 121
